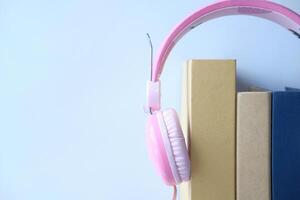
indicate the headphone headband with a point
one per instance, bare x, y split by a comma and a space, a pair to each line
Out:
259, 8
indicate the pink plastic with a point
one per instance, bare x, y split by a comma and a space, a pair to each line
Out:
167, 148
260, 8
153, 95
157, 151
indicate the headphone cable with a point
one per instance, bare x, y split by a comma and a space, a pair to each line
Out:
174, 192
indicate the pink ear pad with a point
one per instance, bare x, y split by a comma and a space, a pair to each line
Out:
177, 141
166, 146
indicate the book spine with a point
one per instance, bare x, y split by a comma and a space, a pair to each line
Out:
253, 146
210, 127
286, 145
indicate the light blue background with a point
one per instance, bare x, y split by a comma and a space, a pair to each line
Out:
72, 87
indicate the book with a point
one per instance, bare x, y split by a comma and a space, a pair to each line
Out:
291, 89
253, 150
286, 145
208, 120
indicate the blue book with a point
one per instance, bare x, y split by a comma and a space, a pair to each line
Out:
286, 145
291, 89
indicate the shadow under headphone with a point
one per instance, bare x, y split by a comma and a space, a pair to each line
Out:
165, 140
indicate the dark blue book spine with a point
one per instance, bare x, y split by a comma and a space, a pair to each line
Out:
286, 145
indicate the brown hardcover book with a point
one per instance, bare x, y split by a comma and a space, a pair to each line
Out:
208, 121
253, 145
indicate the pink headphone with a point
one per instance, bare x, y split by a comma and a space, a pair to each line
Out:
165, 141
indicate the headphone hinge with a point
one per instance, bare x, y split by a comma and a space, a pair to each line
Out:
153, 96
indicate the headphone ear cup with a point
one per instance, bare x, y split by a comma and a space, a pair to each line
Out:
178, 145
166, 147
158, 147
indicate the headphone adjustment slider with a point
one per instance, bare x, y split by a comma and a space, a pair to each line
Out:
153, 96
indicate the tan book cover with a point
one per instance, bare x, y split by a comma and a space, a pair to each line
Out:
253, 146
208, 120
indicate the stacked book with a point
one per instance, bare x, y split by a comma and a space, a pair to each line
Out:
243, 145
